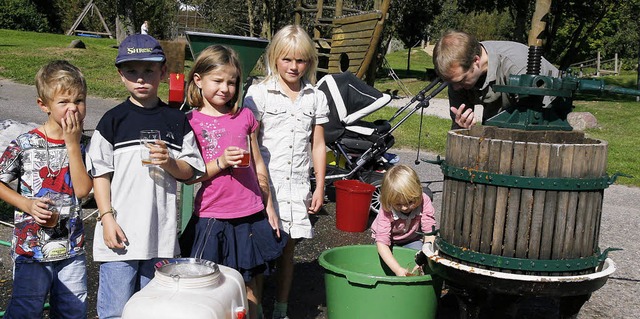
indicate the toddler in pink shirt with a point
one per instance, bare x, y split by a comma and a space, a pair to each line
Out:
405, 210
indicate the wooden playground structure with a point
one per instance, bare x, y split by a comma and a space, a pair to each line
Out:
90, 8
346, 39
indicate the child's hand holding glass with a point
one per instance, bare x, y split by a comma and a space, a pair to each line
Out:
39, 209
154, 151
159, 153
238, 153
148, 141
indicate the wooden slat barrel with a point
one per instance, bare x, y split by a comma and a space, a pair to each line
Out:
514, 219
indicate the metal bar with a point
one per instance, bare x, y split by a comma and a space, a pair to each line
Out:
527, 182
521, 264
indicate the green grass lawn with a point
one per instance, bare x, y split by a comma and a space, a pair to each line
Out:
617, 121
22, 53
414, 80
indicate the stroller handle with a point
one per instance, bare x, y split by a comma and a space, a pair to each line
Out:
422, 96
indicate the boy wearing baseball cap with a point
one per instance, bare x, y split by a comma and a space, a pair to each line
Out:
137, 221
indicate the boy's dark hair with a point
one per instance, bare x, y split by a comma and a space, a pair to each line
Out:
140, 47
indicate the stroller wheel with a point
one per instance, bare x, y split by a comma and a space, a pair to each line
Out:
375, 199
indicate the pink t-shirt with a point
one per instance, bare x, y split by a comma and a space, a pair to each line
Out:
234, 192
389, 227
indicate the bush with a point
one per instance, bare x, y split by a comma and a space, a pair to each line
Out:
628, 64
22, 15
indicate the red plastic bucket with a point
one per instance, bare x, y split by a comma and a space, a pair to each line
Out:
353, 199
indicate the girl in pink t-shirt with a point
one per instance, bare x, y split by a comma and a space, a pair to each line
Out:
235, 223
405, 209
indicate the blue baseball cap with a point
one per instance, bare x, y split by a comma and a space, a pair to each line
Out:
140, 47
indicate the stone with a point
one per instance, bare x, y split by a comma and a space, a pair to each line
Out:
77, 44
581, 121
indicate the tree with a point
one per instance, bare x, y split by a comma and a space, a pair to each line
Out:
520, 12
449, 18
225, 17
22, 15
612, 41
576, 28
410, 21
488, 25
573, 25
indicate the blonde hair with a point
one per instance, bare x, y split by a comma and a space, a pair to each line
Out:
59, 76
291, 39
211, 59
455, 48
400, 185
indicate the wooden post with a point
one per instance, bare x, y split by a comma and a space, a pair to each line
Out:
339, 5
598, 64
616, 71
538, 23
297, 19
375, 39
320, 7
580, 74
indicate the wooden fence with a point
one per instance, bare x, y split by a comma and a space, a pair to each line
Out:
598, 64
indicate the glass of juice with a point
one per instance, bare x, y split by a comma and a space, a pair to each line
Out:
58, 204
148, 140
243, 142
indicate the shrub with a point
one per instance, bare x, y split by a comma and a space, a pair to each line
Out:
22, 15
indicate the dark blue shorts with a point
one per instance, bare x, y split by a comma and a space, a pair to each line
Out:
247, 244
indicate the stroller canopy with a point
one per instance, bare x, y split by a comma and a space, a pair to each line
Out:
349, 99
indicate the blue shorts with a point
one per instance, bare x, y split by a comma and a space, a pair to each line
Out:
247, 244
65, 281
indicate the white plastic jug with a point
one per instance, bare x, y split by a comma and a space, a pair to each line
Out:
190, 288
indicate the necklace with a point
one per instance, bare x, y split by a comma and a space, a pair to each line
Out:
46, 146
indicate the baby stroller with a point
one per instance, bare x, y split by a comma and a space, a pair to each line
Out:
358, 149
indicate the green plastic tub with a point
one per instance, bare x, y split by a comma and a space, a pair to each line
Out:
359, 285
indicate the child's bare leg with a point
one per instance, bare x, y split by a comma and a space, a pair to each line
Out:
285, 272
254, 295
